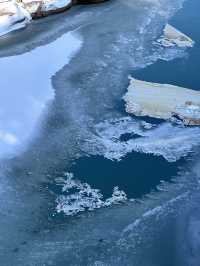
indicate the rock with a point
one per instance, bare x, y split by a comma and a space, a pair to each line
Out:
173, 37
40, 8
12, 17
16, 14
163, 101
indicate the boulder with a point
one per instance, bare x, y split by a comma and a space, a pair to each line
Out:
38, 8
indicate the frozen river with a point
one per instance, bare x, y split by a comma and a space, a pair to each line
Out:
66, 141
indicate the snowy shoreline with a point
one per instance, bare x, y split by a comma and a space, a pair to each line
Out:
17, 14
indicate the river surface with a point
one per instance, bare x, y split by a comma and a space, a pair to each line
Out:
81, 181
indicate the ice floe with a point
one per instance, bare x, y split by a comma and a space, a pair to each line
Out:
173, 37
78, 196
163, 101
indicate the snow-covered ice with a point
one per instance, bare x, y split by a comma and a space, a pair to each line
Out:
163, 101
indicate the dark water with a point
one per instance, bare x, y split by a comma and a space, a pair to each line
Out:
183, 71
136, 174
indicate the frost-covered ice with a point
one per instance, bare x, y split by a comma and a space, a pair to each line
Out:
22, 95
167, 140
78, 196
157, 211
173, 37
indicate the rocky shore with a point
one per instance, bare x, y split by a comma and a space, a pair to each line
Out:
17, 14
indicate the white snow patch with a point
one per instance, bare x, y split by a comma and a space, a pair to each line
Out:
55, 4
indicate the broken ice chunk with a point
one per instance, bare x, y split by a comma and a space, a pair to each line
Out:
173, 37
163, 101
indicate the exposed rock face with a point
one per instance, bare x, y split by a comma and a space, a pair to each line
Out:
16, 14
163, 101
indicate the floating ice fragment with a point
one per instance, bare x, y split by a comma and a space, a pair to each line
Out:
118, 196
78, 197
163, 101
173, 37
